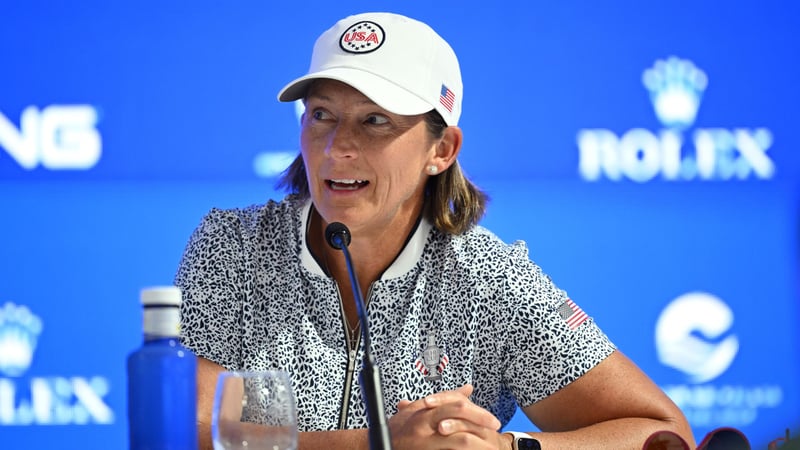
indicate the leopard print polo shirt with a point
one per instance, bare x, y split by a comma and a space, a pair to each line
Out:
450, 310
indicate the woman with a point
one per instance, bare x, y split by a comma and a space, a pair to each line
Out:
464, 326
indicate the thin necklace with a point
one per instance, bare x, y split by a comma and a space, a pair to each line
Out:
352, 331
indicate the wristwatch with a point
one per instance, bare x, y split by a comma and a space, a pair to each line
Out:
523, 441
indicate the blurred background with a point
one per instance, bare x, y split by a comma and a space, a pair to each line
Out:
647, 152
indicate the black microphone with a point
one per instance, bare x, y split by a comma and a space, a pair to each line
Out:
338, 237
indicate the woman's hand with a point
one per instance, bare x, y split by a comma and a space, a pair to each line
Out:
446, 420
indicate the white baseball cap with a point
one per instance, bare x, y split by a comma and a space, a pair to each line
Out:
399, 63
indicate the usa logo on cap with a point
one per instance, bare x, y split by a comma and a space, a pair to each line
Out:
362, 37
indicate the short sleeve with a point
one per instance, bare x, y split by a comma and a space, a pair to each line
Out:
551, 340
213, 278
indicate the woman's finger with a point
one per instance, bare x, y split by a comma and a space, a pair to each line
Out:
461, 408
448, 427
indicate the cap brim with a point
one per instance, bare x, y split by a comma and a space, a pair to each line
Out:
383, 92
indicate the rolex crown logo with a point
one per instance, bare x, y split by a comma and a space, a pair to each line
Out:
19, 332
676, 87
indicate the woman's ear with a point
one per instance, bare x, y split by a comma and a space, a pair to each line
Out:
448, 148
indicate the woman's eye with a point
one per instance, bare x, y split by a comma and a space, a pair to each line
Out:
376, 119
320, 114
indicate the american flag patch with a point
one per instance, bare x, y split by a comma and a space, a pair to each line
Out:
447, 98
572, 314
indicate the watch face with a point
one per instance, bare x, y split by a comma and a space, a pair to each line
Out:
528, 444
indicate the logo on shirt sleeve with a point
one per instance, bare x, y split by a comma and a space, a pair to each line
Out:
572, 314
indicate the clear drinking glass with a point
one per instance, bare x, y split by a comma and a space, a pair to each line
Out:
254, 410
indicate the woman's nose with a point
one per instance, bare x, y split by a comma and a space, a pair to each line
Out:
343, 142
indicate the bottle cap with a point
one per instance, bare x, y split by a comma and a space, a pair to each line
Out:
161, 295
161, 311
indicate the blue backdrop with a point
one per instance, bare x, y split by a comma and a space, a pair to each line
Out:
647, 153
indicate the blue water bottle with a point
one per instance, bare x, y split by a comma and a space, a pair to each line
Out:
162, 380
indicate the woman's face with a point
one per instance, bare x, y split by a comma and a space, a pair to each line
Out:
365, 165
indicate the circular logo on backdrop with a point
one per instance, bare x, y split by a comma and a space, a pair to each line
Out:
691, 336
362, 37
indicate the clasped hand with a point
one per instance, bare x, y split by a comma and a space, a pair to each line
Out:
445, 420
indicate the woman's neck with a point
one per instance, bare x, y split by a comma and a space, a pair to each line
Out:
371, 254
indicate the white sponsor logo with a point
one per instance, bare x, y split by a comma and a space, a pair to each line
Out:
272, 164
54, 400
58, 137
685, 335
19, 332
676, 87
695, 335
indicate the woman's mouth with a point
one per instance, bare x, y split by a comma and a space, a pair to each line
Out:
345, 184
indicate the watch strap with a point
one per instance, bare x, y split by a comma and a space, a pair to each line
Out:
517, 435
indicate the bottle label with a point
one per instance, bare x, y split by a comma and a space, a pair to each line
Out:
162, 321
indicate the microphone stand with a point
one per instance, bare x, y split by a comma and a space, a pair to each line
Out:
338, 236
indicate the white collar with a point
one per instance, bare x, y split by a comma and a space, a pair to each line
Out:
404, 262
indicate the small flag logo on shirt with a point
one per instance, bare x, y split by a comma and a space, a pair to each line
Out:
572, 314
447, 98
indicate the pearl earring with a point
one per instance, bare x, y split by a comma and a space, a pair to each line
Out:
433, 170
